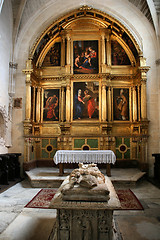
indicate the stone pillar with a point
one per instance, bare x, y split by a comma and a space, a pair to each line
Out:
38, 105
104, 107
8, 125
12, 72
28, 71
68, 103
134, 104
143, 78
109, 104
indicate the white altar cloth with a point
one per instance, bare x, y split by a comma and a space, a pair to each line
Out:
87, 156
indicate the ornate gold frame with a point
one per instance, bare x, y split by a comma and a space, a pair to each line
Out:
87, 23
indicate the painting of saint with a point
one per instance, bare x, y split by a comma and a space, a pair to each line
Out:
121, 104
51, 105
118, 54
85, 58
86, 100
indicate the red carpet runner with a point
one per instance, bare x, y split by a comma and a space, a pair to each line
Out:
127, 198
42, 199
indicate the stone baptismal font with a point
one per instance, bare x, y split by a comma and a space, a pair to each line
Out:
85, 202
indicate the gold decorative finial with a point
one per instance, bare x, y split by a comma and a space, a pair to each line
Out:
85, 8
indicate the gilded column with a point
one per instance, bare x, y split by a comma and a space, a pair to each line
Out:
28, 97
62, 104
68, 57
34, 98
103, 53
108, 48
27, 122
139, 104
28, 71
104, 114
42, 103
63, 51
68, 102
38, 105
109, 104
134, 104
68, 49
143, 100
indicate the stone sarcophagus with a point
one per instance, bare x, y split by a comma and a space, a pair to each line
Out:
85, 203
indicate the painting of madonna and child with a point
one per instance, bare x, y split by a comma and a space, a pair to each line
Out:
85, 57
85, 100
51, 105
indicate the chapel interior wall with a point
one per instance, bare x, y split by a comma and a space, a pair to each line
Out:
19, 114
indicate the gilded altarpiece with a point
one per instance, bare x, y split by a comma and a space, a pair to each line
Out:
86, 89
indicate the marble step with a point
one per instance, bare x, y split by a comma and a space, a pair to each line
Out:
49, 177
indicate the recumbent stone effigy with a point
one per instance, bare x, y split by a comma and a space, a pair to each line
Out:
85, 202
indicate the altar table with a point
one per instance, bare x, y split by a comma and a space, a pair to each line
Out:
87, 156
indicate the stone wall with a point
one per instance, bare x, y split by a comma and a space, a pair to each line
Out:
5, 59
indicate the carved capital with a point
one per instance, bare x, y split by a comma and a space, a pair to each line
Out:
143, 72
27, 71
27, 127
13, 65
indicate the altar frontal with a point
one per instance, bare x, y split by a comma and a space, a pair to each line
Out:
87, 156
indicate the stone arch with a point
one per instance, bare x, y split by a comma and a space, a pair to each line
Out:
71, 20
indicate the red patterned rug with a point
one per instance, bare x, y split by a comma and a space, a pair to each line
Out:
42, 199
127, 198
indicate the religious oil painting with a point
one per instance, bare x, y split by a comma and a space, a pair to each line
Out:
85, 100
51, 105
119, 56
85, 57
53, 57
121, 104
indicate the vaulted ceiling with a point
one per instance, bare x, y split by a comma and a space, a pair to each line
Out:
24, 9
